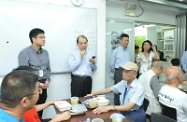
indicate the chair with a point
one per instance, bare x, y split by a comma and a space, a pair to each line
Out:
168, 111
155, 117
145, 104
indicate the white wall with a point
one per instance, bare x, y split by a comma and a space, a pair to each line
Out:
139, 31
152, 35
60, 83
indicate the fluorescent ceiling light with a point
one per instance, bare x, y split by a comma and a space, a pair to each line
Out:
151, 25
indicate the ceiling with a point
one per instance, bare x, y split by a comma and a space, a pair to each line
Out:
179, 1
159, 28
182, 4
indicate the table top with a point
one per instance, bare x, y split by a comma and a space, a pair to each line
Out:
91, 115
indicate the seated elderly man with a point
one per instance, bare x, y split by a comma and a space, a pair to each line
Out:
19, 93
131, 98
149, 80
171, 96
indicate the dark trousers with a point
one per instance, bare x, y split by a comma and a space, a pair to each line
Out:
45, 120
117, 79
80, 86
41, 100
136, 116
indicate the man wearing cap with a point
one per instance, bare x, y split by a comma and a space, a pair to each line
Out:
131, 98
120, 56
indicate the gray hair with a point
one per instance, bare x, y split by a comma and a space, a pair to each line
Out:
157, 64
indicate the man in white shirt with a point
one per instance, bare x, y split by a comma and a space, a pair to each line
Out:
171, 96
149, 80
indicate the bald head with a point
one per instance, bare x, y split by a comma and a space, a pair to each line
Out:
174, 73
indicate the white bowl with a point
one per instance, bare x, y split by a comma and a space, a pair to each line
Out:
97, 120
116, 117
102, 102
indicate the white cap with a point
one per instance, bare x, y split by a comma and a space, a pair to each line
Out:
130, 66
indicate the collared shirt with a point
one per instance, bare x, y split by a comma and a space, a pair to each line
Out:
6, 117
135, 93
120, 56
184, 61
80, 66
37, 60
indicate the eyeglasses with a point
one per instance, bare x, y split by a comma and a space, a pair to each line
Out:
28, 95
39, 91
41, 37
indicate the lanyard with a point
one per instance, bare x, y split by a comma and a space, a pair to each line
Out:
124, 95
37, 55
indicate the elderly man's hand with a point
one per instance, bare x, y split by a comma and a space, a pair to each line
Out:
102, 109
184, 83
89, 95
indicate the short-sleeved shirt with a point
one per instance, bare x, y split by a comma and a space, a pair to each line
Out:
135, 93
6, 117
145, 63
175, 98
31, 116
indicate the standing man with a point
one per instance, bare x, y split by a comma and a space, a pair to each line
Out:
81, 64
120, 56
19, 93
131, 98
149, 80
184, 64
37, 58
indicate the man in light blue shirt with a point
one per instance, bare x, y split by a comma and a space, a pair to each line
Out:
184, 64
131, 98
120, 56
81, 64
19, 93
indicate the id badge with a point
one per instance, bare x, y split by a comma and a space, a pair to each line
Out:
41, 73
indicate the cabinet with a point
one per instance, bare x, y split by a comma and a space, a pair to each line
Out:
160, 41
168, 44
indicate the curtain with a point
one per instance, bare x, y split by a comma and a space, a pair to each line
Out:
180, 35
